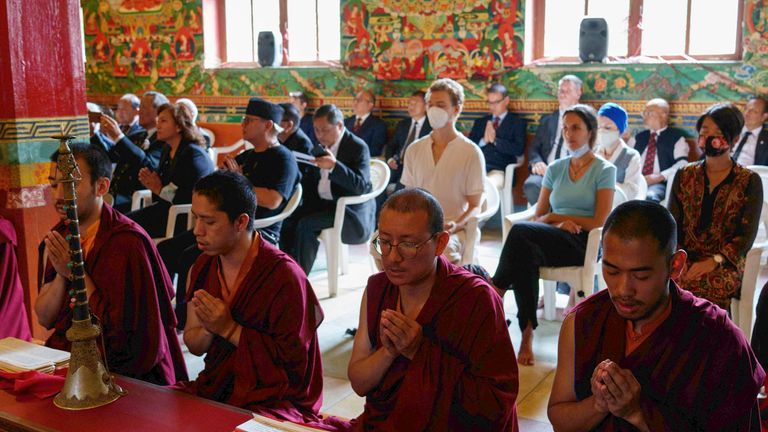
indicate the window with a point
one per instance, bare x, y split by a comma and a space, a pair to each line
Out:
310, 30
673, 29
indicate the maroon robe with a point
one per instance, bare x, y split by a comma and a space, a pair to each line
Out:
276, 368
13, 312
132, 299
696, 370
464, 374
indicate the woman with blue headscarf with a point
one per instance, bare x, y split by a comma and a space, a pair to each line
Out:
611, 124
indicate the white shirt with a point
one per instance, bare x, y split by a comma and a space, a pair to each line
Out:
680, 151
324, 185
501, 119
634, 186
458, 174
563, 149
747, 155
361, 118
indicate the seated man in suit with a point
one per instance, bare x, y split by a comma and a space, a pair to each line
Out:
447, 164
432, 351
343, 169
293, 136
645, 354
547, 145
127, 114
132, 153
300, 101
406, 132
371, 129
500, 134
662, 149
251, 310
752, 148
128, 288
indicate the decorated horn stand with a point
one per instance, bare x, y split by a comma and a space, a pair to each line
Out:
88, 383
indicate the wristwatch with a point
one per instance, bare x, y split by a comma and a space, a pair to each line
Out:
718, 259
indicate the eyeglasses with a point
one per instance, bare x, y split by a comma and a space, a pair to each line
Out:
496, 102
407, 250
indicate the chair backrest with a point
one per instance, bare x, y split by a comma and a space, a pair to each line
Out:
379, 177
293, 203
762, 171
210, 134
619, 197
668, 192
491, 201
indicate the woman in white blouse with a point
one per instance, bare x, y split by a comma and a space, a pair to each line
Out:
611, 123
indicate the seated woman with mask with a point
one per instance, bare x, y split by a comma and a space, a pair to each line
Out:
576, 196
716, 203
611, 124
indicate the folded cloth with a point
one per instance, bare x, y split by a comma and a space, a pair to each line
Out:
33, 384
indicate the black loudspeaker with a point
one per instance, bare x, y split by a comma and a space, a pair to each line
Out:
270, 49
593, 40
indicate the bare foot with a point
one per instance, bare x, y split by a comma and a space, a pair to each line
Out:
525, 354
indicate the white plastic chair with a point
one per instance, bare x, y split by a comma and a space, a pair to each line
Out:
668, 192
215, 152
742, 311
293, 203
488, 208
143, 198
762, 171
331, 237
580, 278
210, 134
507, 202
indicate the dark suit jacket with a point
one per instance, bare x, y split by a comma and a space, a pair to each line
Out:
545, 138
396, 146
305, 124
510, 141
130, 157
761, 152
351, 176
373, 132
189, 165
300, 142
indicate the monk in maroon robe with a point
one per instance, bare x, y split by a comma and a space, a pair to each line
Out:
13, 313
129, 290
251, 311
645, 354
432, 350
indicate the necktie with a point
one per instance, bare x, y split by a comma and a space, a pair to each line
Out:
358, 123
495, 123
559, 148
650, 155
410, 139
743, 141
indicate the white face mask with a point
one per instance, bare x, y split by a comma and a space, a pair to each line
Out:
438, 117
579, 152
607, 139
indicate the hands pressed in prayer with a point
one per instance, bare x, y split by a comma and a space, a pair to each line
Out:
213, 313
109, 127
619, 389
653, 179
698, 269
392, 163
490, 133
150, 180
601, 405
403, 332
58, 252
230, 164
450, 227
389, 345
539, 168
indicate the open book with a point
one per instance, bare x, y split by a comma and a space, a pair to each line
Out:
260, 423
17, 355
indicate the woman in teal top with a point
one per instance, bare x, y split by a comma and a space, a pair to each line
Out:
576, 196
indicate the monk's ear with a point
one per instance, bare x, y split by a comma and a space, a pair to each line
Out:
102, 186
441, 241
241, 222
677, 264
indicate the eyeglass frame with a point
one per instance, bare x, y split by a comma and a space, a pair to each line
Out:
377, 246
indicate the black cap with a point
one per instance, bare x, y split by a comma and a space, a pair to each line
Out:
266, 110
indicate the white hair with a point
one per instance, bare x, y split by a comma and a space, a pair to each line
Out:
192, 107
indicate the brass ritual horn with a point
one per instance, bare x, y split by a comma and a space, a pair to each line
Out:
88, 384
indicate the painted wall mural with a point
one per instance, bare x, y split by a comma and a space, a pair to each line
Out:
416, 40
395, 47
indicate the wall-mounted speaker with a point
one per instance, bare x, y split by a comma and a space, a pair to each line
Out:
593, 40
270, 47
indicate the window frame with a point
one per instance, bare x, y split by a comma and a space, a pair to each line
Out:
217, 10
634, 38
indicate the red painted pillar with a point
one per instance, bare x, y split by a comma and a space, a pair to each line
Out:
42, 93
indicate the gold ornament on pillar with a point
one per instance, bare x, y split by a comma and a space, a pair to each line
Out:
88, 383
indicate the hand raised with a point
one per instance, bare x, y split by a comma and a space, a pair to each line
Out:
58, 253
213, 313
405, 333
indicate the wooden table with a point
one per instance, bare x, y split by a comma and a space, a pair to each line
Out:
146, 407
